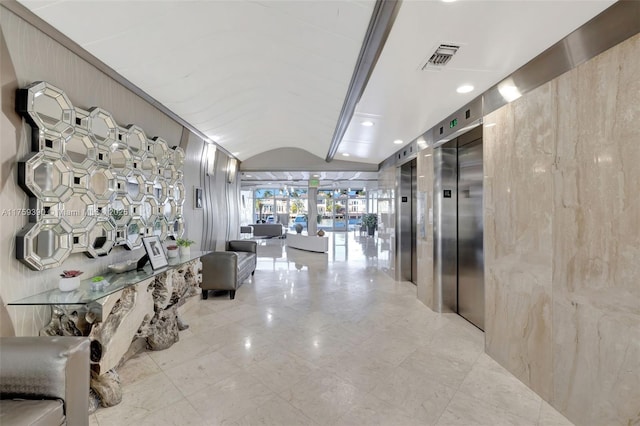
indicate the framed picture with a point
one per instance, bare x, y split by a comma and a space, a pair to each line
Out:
155, 252
197, 198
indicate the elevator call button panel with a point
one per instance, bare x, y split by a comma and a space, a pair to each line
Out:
446, 193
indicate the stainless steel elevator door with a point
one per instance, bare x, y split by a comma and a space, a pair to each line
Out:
470, 234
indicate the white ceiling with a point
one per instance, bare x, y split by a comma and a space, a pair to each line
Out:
341, 180
251, 75
496, 38
260, 75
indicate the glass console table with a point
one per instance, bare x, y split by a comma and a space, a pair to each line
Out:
133, 311
84, 295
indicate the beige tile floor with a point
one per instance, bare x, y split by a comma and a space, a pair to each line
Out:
323, 339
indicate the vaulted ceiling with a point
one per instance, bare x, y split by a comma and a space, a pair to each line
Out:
255, 76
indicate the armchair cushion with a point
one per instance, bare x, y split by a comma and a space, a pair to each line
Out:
44, 370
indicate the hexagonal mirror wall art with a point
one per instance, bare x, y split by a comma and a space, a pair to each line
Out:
136, 139
80, 150
102, 127
45, 107
135, 232
94, 184
178, 157
103, 183
177, 230
159, 149
45, 244
101, 239
46, 177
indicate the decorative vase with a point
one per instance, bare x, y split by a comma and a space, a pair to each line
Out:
321, 233
298, 228
69, 284
172, 253
185, 251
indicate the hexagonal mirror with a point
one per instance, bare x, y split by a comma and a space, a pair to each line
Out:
45, 244
77, 209
136, 185
46, 107
170, 210
120, 211
160, 190
179, 192
136, 139
102, 182
46, 177
149, 209
101, 239
148, 165
121, 158
135, 232
169, 172
178, 157
161, 228
178, 228
102, 127
80, 150
159, 149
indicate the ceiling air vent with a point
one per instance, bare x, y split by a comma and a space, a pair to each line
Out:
441, 56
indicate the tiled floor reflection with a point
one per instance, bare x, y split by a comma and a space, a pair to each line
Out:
323, 339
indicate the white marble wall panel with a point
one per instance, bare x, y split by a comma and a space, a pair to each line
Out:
518, 157
596, 292
562, 238
425, 227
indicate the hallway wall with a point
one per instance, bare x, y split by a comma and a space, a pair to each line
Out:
28, 55
562, 238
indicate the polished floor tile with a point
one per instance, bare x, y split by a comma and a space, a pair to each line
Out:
323, 339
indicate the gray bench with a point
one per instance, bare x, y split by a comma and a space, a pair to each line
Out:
227, 270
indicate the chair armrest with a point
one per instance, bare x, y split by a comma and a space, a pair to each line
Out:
242, 245
48, 367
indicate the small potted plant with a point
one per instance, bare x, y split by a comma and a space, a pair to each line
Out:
370, 220
98, 283
69, 281
172, 251
185, 246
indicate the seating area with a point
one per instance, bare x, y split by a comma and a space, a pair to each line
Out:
44, 380
227, 270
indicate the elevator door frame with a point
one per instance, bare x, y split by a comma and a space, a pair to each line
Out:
445, 230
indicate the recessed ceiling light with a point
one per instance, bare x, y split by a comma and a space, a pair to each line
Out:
367, 123
466, 88
448, 1
398, 142
345, 154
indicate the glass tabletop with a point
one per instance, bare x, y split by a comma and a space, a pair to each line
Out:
113, 282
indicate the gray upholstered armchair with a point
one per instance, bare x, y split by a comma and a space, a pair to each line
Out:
227, 270
44, 380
